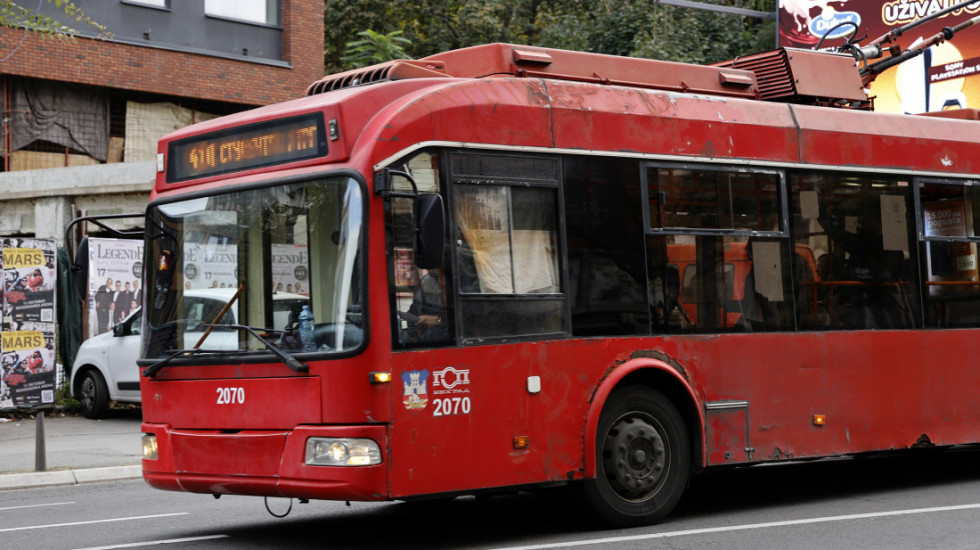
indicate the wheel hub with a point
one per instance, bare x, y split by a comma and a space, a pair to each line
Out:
87, 396
635, 457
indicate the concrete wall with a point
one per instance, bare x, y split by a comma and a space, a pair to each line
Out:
40, 203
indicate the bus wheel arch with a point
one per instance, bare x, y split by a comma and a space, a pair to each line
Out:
642, 442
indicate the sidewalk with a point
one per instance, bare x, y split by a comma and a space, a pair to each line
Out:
78, 450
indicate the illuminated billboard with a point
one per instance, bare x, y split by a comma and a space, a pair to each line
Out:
945, 76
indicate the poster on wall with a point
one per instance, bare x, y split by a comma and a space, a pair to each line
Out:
29, 370
114, 281
944, 77
30, 273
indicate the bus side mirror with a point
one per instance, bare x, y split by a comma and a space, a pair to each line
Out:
79, 270
430, 226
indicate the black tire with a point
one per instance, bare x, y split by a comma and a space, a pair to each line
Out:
93, 394
643, 458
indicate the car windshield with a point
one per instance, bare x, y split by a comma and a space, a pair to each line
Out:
256, 258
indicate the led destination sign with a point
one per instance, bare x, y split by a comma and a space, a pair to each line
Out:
247, 147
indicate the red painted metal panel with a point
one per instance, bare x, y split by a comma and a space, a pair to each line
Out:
245, 453
842, 375
631, 120
724, 434
507, 59
882, 141
235, 403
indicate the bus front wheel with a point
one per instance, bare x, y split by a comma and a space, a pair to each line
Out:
643, 458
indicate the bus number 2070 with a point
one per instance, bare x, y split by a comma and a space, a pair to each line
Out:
451, 405
230, 396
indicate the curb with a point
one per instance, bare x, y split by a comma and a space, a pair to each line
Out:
69, 477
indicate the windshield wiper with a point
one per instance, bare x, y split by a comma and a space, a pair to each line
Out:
286, 358
155, 367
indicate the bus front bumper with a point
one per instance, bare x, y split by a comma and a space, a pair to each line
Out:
261, 462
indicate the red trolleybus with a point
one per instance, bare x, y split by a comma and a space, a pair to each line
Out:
531, 267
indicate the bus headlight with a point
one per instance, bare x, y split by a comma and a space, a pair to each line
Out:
149, 447
323, 451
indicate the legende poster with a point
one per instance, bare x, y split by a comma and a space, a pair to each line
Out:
114, 279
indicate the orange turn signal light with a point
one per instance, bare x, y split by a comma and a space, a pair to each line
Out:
819, 419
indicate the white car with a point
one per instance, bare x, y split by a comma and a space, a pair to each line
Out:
105, 367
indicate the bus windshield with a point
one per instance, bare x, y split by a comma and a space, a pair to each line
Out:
256, 258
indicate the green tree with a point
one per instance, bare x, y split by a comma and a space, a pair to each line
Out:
343, 19
656, 31
374, 47
13, 14
618, 27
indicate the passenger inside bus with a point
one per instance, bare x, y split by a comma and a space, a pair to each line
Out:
663, 291
875, 298
427, 314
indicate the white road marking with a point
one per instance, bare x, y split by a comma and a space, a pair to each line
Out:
29, 527
766, 525
37, 506
154, 542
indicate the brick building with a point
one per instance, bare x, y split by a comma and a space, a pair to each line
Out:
80, 120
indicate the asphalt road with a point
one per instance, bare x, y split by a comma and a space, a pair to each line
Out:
922, 501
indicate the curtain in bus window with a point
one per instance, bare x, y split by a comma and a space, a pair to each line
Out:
512, 256
483, 218
533, 240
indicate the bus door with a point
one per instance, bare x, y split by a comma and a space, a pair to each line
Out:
464, 333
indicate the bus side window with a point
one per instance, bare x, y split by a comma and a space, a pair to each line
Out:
949, 253
505, 218
510, 236
422, 312
856, 231
722, 230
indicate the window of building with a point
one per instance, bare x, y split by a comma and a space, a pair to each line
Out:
948, 233
264, 12
162, 4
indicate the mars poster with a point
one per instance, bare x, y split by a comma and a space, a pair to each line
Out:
946, 76
28, 363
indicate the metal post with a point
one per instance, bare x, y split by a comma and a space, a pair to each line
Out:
40, 458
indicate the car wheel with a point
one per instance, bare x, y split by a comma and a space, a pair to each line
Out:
93, 394
643, 458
